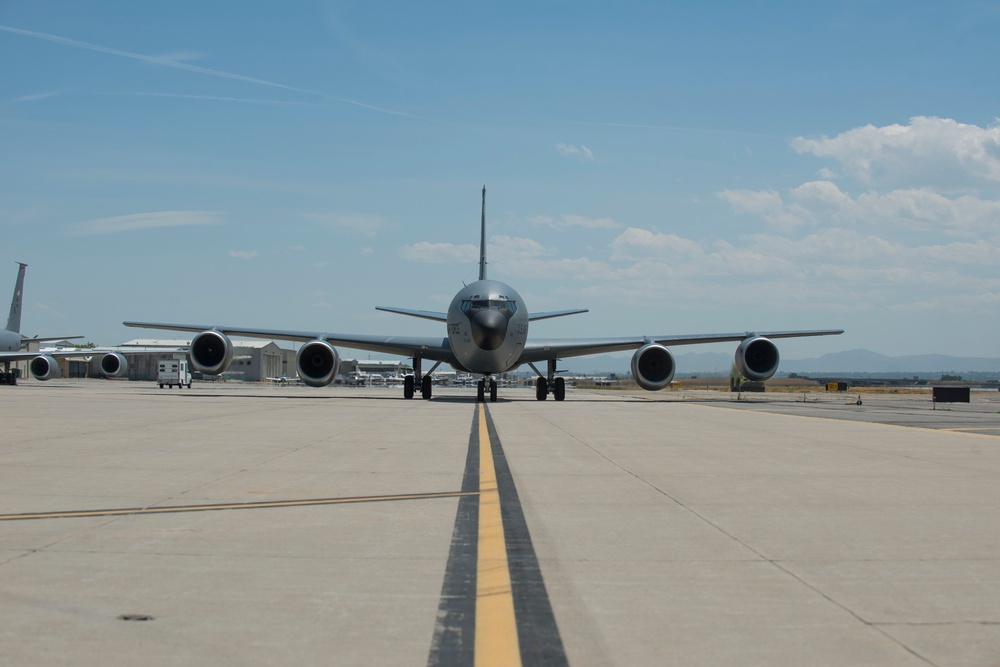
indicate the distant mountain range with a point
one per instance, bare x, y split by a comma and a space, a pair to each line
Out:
866, 361
851, 362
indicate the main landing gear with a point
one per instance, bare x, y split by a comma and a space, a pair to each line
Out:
558, 389
549, 384
410, 387
410, 382
8, 377
482, 386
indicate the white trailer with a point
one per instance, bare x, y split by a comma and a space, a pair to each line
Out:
172, 372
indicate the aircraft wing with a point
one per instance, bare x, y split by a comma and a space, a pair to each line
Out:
555, 313
24, 355
425, 314
85, 352
559, 348
429, 347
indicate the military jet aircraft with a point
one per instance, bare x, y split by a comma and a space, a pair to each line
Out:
42, 365
486, 333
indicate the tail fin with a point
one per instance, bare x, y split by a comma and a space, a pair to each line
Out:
482, 241
14, 319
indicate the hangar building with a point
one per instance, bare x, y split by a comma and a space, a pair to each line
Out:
253, 360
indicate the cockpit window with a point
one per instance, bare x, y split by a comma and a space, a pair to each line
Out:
475, 305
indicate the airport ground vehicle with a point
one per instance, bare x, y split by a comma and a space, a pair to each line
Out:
172, 372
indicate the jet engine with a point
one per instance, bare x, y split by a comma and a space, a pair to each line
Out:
44, 367
317, 362
211, 352
114, 364
653, 367
757, 358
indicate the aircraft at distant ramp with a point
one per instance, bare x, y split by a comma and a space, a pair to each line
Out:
486, 334
42, 365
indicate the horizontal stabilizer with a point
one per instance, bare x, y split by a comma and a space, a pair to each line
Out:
555, 313
425, 314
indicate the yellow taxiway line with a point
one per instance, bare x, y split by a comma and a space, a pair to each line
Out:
496, 628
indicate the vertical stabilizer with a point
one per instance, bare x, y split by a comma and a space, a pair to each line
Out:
482, 241
14, 319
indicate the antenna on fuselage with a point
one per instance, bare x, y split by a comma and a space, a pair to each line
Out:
482, 241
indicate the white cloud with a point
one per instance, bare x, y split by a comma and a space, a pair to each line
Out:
754, 202
820, 196
890, 247
552, 270
243, 254
929, 152
508, 248
767, 205
143, 221
580, 152
440, 253
824, 203
636, 244
835, 269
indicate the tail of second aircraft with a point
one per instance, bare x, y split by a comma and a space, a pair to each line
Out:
14, 319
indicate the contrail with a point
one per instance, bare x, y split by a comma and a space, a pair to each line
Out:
175, 64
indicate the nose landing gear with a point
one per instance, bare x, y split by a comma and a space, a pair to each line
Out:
482, 386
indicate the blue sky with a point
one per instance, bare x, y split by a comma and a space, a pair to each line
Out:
673, 167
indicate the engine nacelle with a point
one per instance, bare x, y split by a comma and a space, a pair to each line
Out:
757, 359
317, 362
114, 365
211, 352
44, 367
653, 367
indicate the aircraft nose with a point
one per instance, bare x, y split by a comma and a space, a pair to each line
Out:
489, 328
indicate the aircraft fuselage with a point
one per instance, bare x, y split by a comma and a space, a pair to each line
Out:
487, 327
10, 341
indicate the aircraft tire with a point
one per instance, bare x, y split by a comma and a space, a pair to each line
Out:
541, 389
493, 391
425, 388
559, 389
481, 391
408, 387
